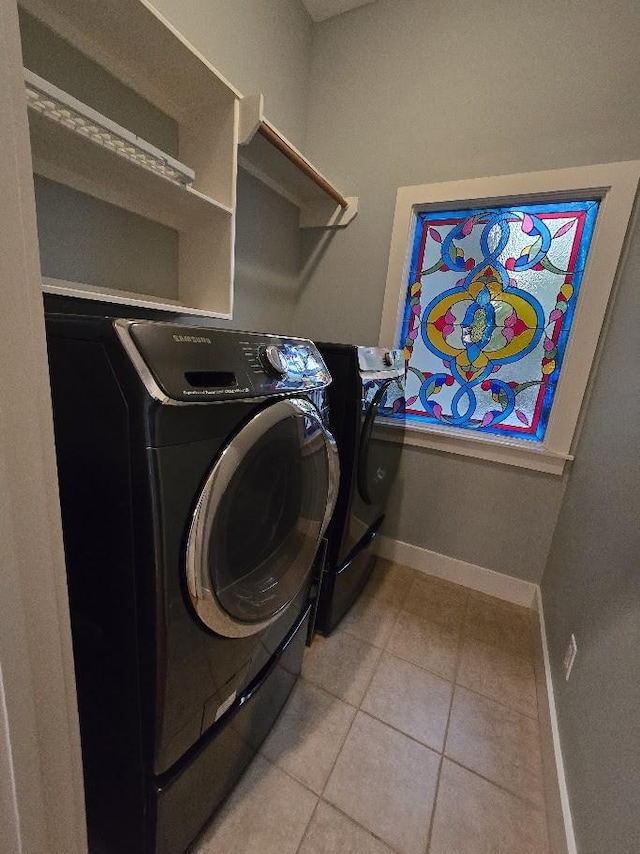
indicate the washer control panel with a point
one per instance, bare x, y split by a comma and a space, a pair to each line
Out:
379, 359
189, 363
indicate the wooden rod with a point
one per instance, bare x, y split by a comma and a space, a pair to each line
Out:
298, 160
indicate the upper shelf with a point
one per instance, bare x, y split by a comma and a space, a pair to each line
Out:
142, 49
268, 155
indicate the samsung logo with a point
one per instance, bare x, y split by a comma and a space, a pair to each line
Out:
192, 339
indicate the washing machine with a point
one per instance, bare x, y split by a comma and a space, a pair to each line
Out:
367, 418
197, 477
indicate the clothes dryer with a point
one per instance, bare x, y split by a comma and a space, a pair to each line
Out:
367, 418
197, 476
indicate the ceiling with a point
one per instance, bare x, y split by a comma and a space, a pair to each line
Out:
322, 9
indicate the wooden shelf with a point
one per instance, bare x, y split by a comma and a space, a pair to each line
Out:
270, 157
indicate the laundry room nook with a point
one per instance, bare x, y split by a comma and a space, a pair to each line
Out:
320, 496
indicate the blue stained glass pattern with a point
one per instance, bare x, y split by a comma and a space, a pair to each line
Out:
490, 300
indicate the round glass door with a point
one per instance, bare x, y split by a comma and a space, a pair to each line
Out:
260, 517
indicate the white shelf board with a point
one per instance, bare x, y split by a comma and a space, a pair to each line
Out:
140, 48
103, 294
64, 156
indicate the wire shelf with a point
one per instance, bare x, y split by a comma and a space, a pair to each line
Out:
65, 110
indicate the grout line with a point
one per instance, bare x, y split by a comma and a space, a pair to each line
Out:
367, 830
358, 708
508, 651
306, 830
517, 795
326, 689
461, 639
358, 637
288, 773
338, 754
382, 650
421, 667
399, 606
401, 732
446, 729
475, 691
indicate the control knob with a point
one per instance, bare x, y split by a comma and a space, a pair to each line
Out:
272, 361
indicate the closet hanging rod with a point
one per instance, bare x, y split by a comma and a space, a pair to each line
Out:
299, 161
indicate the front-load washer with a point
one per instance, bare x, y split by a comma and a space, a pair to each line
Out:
197, 476
367, 418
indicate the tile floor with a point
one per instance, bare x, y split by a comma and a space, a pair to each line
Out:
413, 729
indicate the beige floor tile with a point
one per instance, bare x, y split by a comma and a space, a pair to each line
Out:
372, 616
498, 674
475, 817
424, 643
331, 832
267, 813
386, 782
341, 664
497, 743
410, 699
391, 581
499, 623
309, 734
437, 600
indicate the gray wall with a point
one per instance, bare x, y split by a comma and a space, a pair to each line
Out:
412, 92
499, 517
83, 239
268, 260
591, 587
258, 46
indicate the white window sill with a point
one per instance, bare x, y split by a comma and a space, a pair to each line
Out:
529, 455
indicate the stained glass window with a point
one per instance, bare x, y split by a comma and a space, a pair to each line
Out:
490, 299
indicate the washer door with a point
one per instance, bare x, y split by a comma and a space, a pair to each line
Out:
259, 519
378, 459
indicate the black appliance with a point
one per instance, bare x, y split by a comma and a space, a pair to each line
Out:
197, 476
367, 418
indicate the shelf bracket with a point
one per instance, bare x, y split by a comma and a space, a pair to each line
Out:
271, 158
251, 117
327, 214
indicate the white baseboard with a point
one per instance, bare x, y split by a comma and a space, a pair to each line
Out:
478, 578
519, 592
562, 837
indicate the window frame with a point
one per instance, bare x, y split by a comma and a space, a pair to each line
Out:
615, 186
